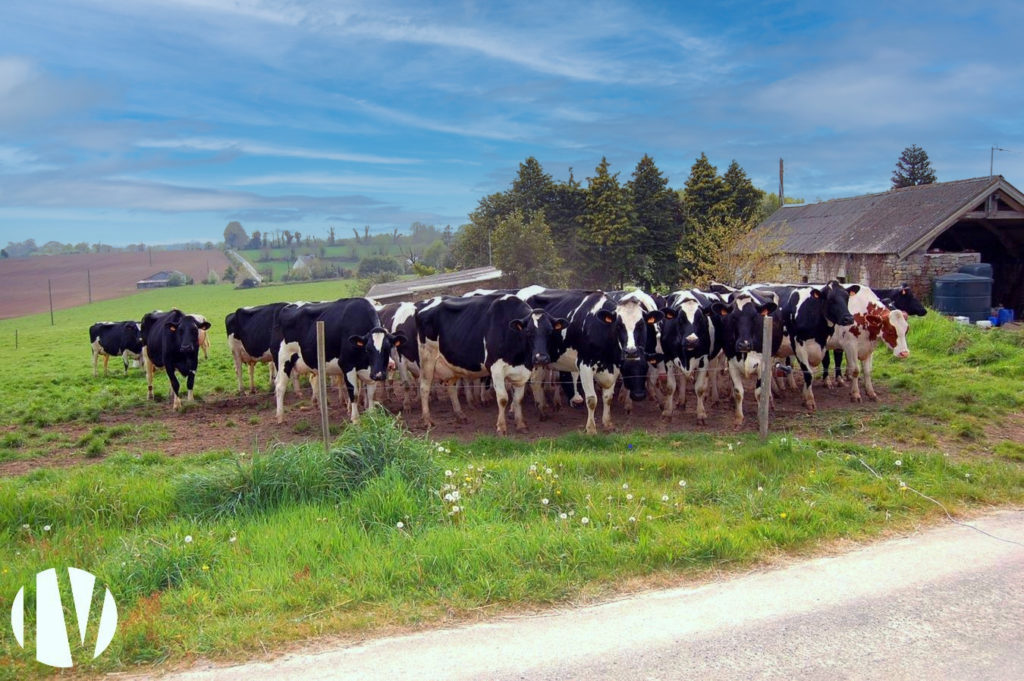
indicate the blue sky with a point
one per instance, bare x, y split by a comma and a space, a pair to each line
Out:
161, 120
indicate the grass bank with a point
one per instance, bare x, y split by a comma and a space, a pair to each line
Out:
224, 554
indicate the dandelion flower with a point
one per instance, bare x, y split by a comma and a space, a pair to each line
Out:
455, 509
188, 538
548, 471
25, 526
533, 468
682, 483
898, 462
584, 520
967, 475
46, 528
206, 568
629, 497
729, 446
664, 497
544, 501
760, 489
563, 516
232, 539
625, 485
448, 474
650, 517
399, 524
783, 515
632, 519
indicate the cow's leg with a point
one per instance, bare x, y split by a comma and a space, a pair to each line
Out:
285, 368
190, 382
498, 381
148, 365
537, 381
736, 375
808, 389
124, 360
586, 374
428, 363
350, 382
518, 391
866, 366
106, 358
825, 364
670, 385
701, 388
625, 401
453, 396
175, 385
607, 379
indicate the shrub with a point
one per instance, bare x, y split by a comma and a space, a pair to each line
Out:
378, 264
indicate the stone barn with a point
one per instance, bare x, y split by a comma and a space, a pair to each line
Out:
907, 235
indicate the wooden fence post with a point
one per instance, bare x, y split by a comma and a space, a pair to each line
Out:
321, 383
766, 377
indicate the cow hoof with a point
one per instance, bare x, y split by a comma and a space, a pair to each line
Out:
702, 421
522, 428
856, 398
609, 427
873, 397
666, 415
576, 401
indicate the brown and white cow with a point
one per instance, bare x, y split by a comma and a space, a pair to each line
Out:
873, 322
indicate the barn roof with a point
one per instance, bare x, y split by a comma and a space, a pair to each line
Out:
898, 221
433, 282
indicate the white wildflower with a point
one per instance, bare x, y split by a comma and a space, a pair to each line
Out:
632, 519
46, 528
682, 483
898, 462
563, 516
625, 485
664, 497
629, 497
448, 474
188, 538
584, 520
399, 524
544, 501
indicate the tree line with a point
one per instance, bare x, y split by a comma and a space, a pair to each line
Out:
608, 233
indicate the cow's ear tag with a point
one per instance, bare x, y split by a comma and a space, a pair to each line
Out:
398, 342
723, 311
173, 327
517, 324
670, 314
815, 293
606, 316
558, 325
764, 312
357, 341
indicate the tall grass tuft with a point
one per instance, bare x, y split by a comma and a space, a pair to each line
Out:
378, 444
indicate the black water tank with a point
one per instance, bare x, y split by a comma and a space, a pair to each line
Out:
964, 295
978, 269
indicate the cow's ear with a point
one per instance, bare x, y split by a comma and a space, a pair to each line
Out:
559, 323
654, 316
205, 325
853, 288
357, 341
815, 293
398, 340
669, 313
719, 308
517, 324
768, 308
606, 316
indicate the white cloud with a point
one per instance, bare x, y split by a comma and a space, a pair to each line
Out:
262, 149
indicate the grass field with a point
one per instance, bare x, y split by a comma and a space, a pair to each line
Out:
225, 554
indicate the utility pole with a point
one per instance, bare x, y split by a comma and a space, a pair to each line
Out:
88, 280
782, 196
992, 157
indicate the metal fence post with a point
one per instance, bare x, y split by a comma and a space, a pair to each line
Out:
766, 377
321, 384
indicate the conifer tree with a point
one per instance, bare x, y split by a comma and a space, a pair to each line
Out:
912, 168
744, 198
660, 225
609, 236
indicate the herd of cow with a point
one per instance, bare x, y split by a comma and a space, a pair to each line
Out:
563, 343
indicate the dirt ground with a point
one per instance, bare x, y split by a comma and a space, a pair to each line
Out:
113, 275
246, 423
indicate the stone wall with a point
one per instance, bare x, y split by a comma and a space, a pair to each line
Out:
877, 270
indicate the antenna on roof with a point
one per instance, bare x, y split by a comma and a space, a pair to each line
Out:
782, 198
992, 157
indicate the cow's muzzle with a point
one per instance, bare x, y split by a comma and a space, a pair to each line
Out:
633, 353
378, 375
743, 346
541, 358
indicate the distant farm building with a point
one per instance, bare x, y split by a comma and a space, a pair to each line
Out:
161, 279
907, 235
449, 283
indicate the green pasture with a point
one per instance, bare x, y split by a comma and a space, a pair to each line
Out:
48, 379
225, 554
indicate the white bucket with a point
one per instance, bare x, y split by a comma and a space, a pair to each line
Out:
962, 320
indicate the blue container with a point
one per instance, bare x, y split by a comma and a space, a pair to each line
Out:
1005, 315
978, 269
994, 319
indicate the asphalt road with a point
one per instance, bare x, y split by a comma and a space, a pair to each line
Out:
945, 603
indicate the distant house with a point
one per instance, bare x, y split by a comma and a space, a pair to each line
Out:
908, 235
448, 283
161, 279
303, 261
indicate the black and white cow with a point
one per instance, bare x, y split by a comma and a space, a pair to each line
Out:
604, 339
112, 339
249, 330
400, 318
170, 340
901, 298
810, 315
357, 347
690, 341
488, 335
741, 323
